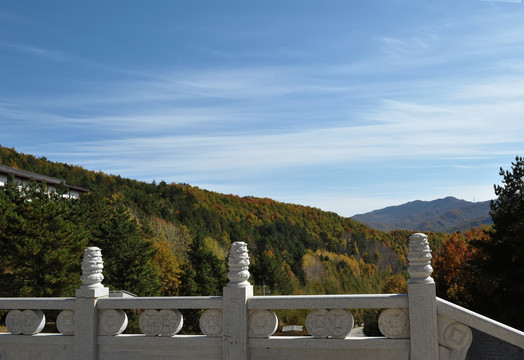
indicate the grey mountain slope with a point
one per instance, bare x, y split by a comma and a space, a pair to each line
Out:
441, 215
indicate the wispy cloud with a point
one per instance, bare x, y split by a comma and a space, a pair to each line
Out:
415, 45
36, 51
448, 120
402, 130
413, 98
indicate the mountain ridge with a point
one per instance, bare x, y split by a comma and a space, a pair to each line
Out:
447, 214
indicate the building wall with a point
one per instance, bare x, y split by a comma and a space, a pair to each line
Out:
3, 179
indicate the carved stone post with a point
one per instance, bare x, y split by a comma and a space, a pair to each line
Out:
86, 314
236, 293
422, 301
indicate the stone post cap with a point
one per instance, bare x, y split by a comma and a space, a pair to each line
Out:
238, 263
419, 257
92, 277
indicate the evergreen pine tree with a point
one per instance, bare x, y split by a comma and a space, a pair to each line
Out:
504, 263
127, 256
204, 274
40, 241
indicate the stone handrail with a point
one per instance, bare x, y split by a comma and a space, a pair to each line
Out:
371, 301
38, 303
482, 323
162, 302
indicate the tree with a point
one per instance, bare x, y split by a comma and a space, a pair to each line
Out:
127, 255
41, 243
271, 271
456, 275
504, 263
395, 284
167, 267
204, 274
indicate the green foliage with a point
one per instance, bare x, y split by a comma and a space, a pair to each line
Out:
127, 255
503, 265
40, 241
270, 271
204, 274
482, 268
172, 239
130, 220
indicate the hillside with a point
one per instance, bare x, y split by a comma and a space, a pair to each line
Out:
172, 239
442, 215
294, 249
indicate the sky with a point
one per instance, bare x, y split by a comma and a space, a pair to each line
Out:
341, 105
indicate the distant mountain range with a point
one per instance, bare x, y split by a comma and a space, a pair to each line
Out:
443, 215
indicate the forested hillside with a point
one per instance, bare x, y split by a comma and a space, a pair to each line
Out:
294, 249
173, 239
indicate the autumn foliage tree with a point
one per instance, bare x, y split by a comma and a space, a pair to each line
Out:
167, 267
395, 284
172, 239
456, 276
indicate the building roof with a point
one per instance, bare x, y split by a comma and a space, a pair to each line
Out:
37, 177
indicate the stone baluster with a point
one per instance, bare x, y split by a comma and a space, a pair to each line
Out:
236, 293
165, 322
335, 323
85, 313
422, 301
27, 322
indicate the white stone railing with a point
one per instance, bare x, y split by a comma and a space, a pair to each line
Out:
239, 325
479, 322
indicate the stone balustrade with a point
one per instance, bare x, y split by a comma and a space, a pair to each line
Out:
239, 325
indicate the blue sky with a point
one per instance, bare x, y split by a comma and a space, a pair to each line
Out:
343, 105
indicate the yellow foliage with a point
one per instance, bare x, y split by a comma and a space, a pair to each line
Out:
328, 272
178, 236
395, 284
312, 266
216, 248
338, 258
167, 266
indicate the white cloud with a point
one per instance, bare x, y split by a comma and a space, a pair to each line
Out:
36, 51
421, 95
408, 131
413, 45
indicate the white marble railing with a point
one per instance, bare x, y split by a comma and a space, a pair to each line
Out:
239, 325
